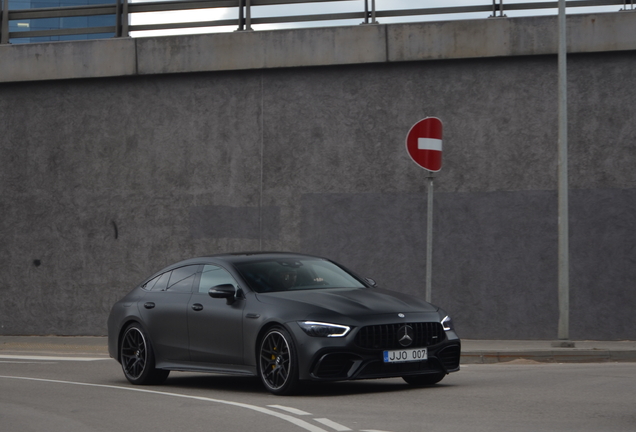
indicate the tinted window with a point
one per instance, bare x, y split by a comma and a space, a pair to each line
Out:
182, 278
148, 285
295, 274
213, 276
162, 282
158, 283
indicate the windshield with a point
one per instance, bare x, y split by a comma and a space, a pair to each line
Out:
295, 274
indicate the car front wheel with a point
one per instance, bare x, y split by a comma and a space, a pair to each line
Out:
138, 359
277, 362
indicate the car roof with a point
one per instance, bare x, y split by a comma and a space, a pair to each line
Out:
239, 257
231, 259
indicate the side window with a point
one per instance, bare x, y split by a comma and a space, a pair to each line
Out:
162, 282
158, 283
182, 278
213, 276
148, 285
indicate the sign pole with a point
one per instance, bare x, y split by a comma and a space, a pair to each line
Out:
424, 146
429, 238
563, 218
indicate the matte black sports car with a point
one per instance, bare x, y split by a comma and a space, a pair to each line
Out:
285, 317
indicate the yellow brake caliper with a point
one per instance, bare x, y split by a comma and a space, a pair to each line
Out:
274, 358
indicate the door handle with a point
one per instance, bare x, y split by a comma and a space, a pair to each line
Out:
149, 305
197, 307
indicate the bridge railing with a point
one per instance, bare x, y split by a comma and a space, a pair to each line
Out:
243, 15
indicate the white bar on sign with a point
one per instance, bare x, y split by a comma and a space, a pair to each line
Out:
429, 144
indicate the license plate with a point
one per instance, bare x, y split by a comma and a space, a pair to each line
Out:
407, 355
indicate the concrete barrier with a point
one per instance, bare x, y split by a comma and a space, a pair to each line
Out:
373, 43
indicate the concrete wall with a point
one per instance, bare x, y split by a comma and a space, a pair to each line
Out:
109, 178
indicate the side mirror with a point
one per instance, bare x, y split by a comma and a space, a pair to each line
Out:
226, 291
370, 282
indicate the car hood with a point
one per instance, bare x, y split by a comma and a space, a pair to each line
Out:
348, 302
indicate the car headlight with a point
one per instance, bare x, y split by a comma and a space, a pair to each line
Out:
447, 323
320, 329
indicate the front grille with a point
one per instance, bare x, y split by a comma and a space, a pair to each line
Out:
386, 336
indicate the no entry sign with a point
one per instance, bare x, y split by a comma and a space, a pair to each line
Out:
424, 143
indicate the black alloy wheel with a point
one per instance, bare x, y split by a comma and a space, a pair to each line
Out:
137, 358
277, 363
424, 380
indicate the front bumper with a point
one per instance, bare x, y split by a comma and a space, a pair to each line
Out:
443, 358
335, 359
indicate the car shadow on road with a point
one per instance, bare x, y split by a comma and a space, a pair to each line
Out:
216, 382
345, 388
240, 384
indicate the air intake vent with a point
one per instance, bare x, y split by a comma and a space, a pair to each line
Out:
450, 356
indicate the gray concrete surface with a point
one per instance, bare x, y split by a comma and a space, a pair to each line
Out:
495, 351
329, 46
106, 180
44, 394
473, 351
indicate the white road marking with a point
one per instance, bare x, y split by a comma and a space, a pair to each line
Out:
290, 409
332, 424
372, 430
300, 423
49, 358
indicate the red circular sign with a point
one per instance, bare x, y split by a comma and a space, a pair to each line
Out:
424, 143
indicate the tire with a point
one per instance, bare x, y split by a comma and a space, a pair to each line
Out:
424, 380
138, 358
278, 362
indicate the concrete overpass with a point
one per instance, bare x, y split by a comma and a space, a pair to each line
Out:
120, 156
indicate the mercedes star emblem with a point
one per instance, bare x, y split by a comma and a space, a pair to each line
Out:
405, 335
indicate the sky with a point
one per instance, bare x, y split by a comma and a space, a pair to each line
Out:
334, 7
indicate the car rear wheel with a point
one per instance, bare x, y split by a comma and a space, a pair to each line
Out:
138, 359
423, 380
277, 362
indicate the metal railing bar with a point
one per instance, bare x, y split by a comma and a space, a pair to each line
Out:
285, 2
555, 4
306, 18
118, 19
69, 11
62, 32
248, 15
433, 11
488, 8
4, 22
366, 12
110, 9
183, 25
241, 17
373, 12
187, 5
124, 19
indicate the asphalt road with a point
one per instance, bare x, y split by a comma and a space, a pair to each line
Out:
73, 394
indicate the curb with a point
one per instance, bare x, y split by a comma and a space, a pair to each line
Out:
548, 356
